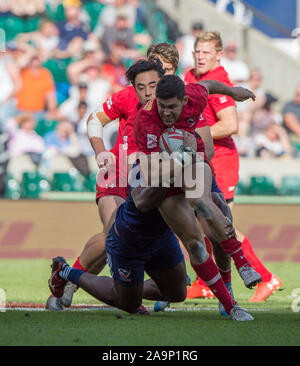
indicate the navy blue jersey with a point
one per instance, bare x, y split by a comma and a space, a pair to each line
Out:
130, 221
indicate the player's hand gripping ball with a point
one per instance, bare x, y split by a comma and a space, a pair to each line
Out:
172, 139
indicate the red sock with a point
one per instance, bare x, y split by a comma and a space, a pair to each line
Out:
233, 247
209, 273
209, 250
77, 265
255, 262
226, 276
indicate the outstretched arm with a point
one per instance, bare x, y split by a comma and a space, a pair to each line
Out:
238, 93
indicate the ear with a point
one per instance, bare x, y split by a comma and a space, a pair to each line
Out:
185, 99
220, 54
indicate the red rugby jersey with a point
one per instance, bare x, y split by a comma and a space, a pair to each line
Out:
123, 105
148, 125
216, 103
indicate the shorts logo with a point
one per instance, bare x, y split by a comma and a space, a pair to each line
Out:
124, 274
151, 141
125, 143
223, 99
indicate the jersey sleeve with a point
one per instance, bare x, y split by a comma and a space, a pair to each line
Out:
114, 106
146, 134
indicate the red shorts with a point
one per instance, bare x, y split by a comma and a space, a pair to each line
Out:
111, 191
226, 169
110, 188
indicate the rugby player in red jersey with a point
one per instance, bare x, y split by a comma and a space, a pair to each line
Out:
110, 195
184, 109
221, 115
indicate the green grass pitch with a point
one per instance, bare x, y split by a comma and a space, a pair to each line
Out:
191, 323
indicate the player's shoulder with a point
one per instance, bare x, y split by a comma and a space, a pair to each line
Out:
190, 76
221, 75
127, 92
195, 91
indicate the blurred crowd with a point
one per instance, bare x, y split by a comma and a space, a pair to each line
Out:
64, 57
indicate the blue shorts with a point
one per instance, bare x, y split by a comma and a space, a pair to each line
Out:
127, 265
214, 186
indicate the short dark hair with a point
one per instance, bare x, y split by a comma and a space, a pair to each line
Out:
170, 86
143, 66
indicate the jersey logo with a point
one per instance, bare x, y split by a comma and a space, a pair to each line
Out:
109, 103
201, 118
151, 141
223, 99
148, 106
191, 121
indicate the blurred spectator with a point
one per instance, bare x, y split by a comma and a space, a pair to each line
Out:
121, 33
45, 39
64, 141
237, 69
185, 46
247, 109
273, 142
291, 117
114, 70
263, 117
37, 93
10, 82
69, 108
23, 8
108, 16
88, 71
91, 54
72, 31
24, 139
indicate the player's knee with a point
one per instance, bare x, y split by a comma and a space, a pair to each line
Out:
178, 295
197, 252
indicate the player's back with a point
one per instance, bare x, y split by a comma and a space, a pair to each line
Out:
136, 226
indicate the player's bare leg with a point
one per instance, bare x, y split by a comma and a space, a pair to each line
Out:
166, 285
179, 216
93, 258
270, 282
217, 223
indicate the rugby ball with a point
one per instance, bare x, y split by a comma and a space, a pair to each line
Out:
171, 140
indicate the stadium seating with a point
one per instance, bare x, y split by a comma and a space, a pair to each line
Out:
242, 188
290, 186
90, 182
262, 185
12, 188
71, 181
12, 25
32, 184
93, 8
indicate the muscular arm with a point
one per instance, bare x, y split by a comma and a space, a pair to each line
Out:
148, 198
95, 122
205, 134
227, 124
237, 93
